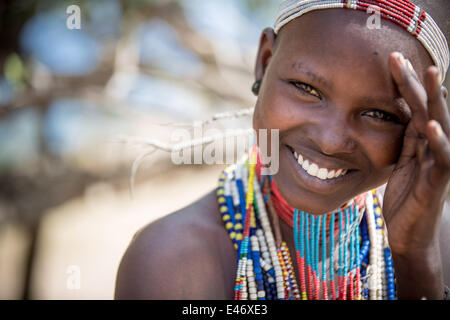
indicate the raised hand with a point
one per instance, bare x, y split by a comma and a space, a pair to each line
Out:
416, 191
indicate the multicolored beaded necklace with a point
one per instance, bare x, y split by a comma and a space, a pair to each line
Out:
350, 241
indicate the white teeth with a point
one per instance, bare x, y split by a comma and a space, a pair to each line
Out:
322, 174
314, 170
338, 173
305, 165
331, 174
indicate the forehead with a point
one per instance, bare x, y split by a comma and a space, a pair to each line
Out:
339, 35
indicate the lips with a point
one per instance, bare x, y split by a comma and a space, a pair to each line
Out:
314, 170
321, 175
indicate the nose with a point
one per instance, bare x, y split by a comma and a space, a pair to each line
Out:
333, 135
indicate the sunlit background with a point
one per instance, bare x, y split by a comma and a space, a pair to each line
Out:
66, 96
136, 68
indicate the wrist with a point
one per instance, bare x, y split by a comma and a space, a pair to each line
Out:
424, 254
419, 274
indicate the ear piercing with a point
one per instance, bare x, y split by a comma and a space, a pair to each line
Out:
256, 86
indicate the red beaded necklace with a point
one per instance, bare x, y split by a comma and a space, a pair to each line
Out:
282, 208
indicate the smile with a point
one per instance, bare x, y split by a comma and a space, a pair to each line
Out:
323, 176
315, 170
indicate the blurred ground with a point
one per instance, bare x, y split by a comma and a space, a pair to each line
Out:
93, 231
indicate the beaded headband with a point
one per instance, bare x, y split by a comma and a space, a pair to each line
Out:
402, 12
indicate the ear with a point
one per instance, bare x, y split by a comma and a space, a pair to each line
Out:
265, 52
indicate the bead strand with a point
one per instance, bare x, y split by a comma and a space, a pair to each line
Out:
345, 244
351, 262
308, 258
300, 250
341, 256
389, 274
251, 283
332, 284
287, 291
316, 255
381, 279
271, 243
266, 272
290, 270
357, 261
226, 206
374, 277
324, 258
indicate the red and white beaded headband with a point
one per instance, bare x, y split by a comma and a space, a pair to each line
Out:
402, 12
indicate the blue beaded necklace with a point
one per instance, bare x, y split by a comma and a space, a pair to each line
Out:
364, 262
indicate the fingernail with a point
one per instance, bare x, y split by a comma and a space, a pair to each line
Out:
437, 128
438, 75
410, 67
400, 58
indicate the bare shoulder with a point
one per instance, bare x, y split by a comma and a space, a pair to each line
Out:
185, 255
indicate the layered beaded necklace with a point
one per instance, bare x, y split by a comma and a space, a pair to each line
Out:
350, 241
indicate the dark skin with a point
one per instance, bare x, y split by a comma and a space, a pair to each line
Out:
360, 110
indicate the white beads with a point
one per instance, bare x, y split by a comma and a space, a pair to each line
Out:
266, 266
273, 260
235, 195
430, 35
376, 262
267, 231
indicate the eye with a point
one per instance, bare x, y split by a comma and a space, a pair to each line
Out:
306, 89
379, 115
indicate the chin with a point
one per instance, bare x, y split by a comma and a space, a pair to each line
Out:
312, 194
311, 203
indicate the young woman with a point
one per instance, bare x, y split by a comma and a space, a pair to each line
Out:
356, 107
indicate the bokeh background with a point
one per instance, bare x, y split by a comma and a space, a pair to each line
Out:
136, 68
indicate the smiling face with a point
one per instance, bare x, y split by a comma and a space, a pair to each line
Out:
327, 88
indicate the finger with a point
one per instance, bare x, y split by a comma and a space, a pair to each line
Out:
411, 90
439, 145
437, 105
421, 149
409, 147
433, 176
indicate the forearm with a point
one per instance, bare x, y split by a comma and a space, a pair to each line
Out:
419, 276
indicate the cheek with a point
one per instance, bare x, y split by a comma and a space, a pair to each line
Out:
263, 124
384, 149
274, 110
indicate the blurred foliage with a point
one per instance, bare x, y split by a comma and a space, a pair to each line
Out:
14, 70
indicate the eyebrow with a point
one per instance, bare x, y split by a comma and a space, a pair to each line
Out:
301, 67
